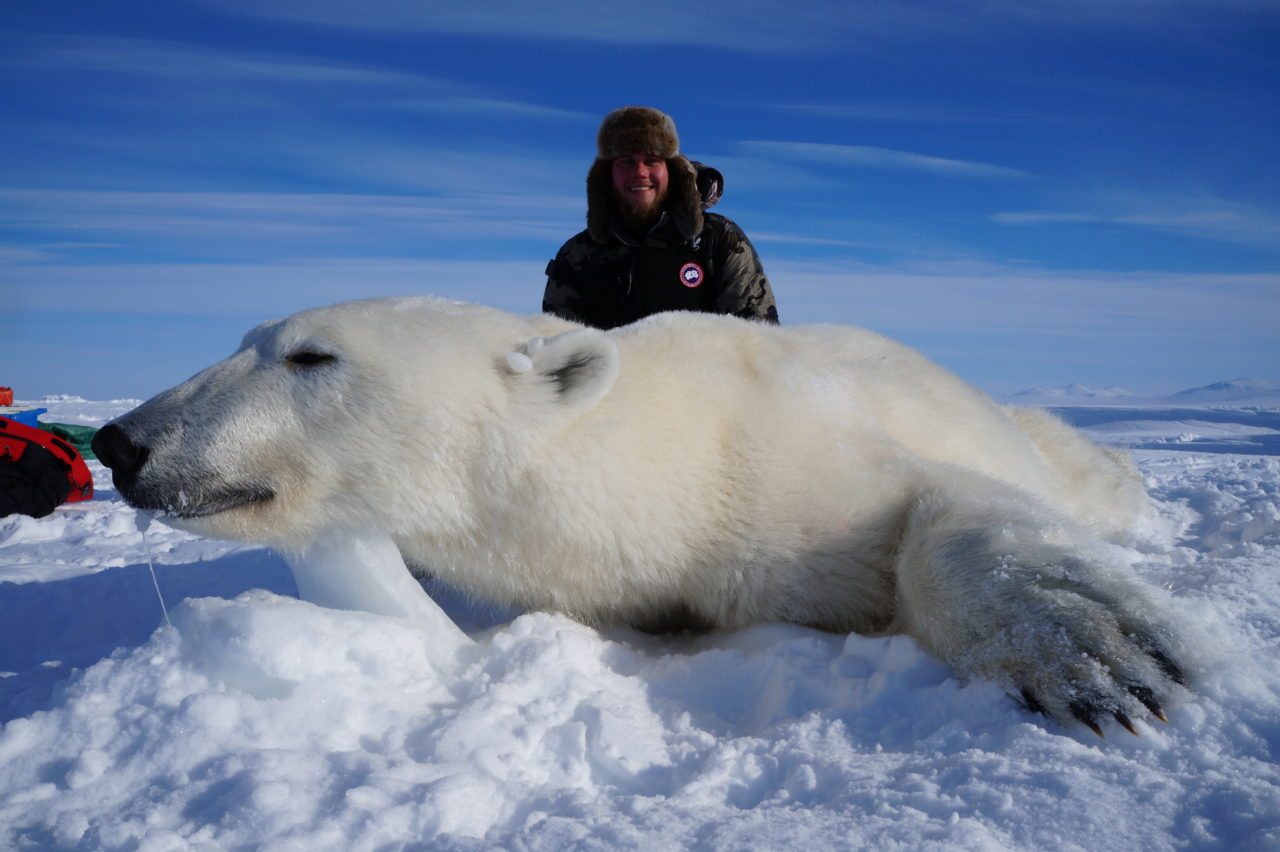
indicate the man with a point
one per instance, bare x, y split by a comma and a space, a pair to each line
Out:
649, 246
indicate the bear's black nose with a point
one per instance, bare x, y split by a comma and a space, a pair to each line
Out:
114, 449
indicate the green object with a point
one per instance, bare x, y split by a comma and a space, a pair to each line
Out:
79, 437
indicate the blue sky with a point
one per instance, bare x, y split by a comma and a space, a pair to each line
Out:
1033, 193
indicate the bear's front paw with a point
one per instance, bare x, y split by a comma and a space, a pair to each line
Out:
1076, 655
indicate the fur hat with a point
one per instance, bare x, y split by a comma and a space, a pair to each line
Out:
639, 129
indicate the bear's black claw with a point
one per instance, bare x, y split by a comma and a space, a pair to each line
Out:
1087, 716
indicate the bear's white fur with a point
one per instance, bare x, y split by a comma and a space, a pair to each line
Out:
702, 467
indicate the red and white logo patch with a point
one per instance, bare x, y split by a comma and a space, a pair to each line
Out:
691, 275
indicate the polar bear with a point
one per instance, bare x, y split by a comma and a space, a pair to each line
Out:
685, 470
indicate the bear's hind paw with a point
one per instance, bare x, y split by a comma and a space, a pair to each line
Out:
1092, 701
1089, 672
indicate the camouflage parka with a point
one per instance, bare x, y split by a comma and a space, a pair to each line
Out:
623, 278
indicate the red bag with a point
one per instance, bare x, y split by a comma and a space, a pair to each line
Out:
16, 437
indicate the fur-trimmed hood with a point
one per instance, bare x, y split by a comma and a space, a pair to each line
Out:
691, 187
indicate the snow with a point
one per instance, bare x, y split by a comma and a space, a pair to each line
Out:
1211, 430
1129, 433
259, 719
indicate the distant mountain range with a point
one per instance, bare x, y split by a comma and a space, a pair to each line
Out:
1071, 392
1236, 390
1230, 394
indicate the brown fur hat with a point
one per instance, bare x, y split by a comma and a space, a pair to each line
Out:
638, 129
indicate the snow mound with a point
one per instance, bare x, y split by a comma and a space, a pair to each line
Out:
1237, 512
319, 728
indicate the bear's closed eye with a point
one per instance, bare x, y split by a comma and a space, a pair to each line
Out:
309, 358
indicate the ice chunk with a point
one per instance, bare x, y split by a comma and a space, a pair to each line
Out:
364, 571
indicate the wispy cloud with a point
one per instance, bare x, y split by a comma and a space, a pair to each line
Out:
20, 254
976, 296
781, 238
488, 106
753, 26
749, 26
277, 288
236, 224
171, 63
439, 167
1219, 220
911, 112
881, 158
172, 60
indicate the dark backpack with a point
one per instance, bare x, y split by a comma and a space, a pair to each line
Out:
38, 471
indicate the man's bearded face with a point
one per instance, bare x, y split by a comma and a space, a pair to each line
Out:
640, 188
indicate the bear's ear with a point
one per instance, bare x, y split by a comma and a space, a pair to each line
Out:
575, 369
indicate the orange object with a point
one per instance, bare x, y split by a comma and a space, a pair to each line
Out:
6, 396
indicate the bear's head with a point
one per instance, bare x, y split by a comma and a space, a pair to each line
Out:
384, 412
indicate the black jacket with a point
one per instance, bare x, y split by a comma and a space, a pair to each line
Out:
625, 279
689, 261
